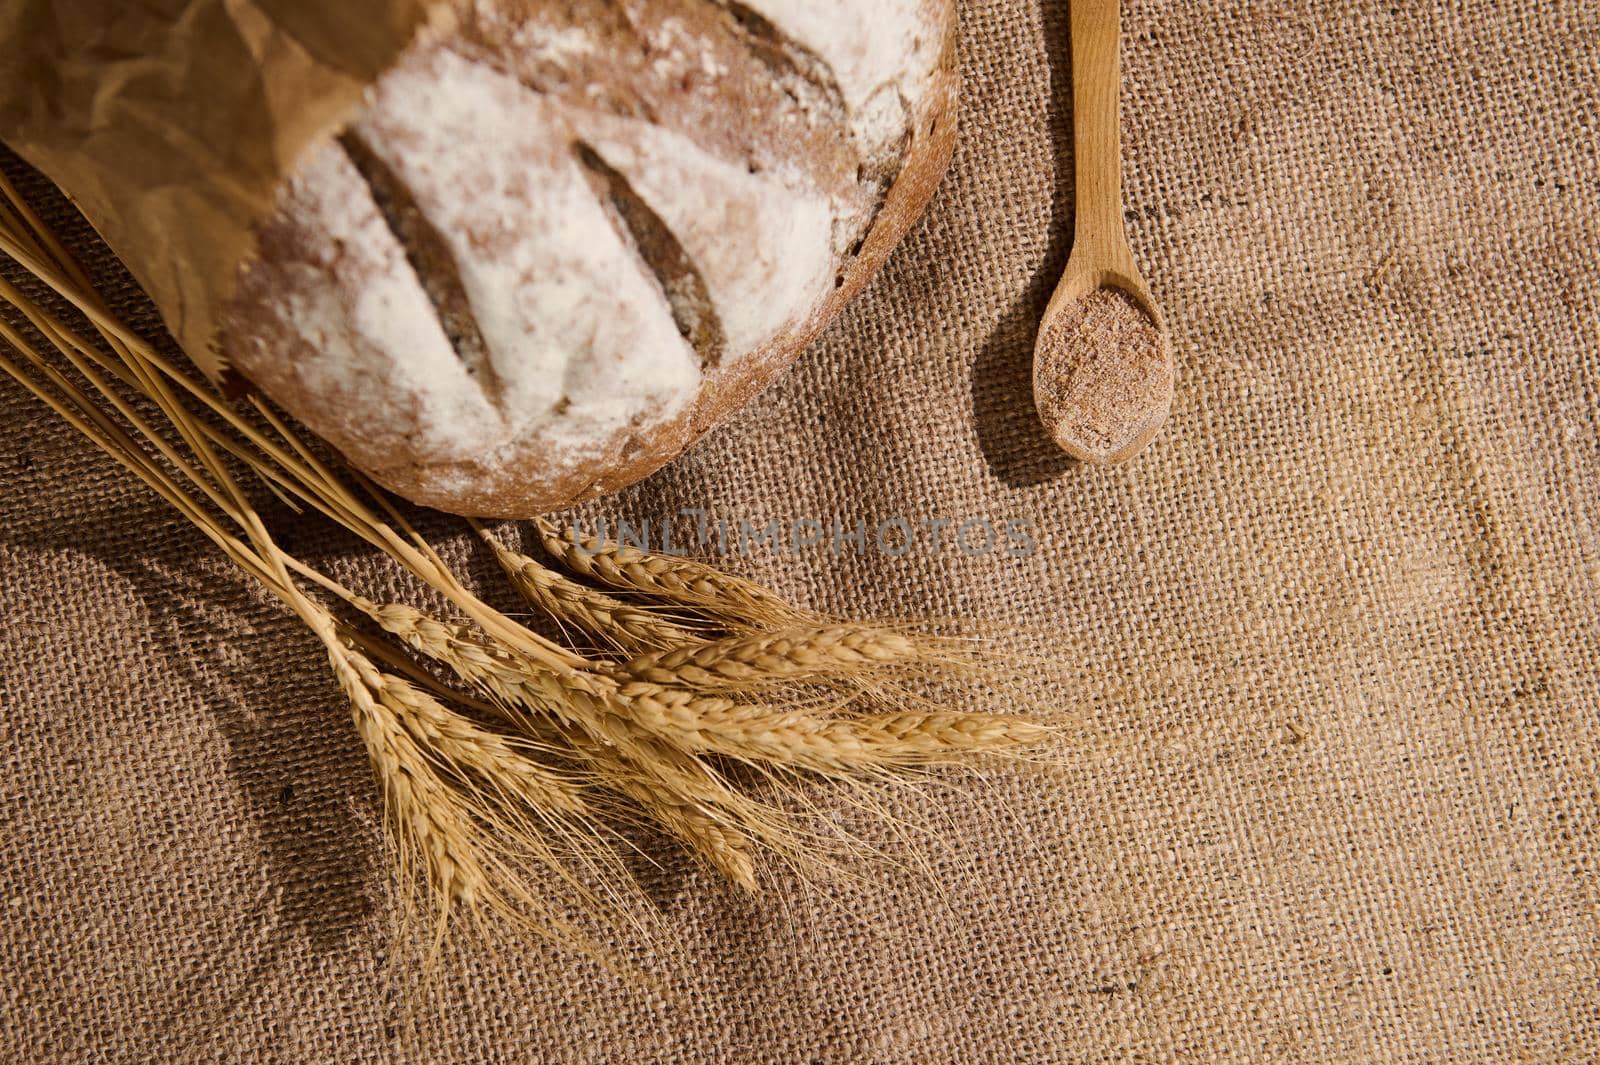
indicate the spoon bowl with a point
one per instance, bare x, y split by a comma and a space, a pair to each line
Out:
1102, 370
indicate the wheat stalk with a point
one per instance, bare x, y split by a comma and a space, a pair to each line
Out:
514, 762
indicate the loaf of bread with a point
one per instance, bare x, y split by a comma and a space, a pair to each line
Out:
565, 237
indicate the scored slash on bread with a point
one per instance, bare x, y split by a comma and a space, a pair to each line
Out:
688, 297
564, 240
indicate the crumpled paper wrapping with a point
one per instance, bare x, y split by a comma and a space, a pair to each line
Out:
172, 123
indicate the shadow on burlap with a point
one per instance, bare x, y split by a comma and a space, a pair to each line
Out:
1334, 634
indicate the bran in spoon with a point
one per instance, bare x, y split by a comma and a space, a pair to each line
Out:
1106, 382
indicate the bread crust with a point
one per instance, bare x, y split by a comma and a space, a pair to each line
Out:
272, 348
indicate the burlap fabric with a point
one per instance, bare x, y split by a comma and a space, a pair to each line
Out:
1334, 634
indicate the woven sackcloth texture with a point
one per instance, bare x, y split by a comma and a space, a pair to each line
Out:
1334, 636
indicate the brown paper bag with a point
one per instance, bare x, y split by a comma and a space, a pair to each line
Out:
172, 123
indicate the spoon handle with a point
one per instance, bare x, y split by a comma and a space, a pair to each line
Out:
1099, 240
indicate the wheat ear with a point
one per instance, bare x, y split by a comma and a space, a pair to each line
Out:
430, 822
460, 742
617, 625
725, 848
790, 655
681, 582
800, 739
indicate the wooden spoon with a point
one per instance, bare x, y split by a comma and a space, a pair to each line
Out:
1102, 370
